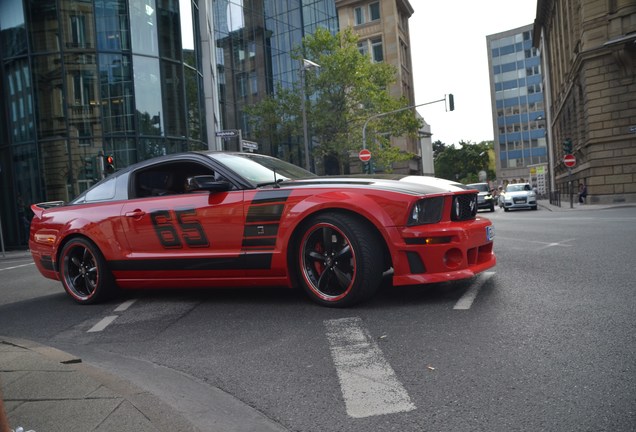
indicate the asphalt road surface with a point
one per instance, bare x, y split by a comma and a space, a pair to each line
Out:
545, 341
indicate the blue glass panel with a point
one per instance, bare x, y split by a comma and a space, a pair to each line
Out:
112, 25
143, 24
150, 117
514, 154
14, 40
510, 84
508, 67
508, 49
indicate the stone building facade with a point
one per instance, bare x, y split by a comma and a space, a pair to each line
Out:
589, 61
383, 29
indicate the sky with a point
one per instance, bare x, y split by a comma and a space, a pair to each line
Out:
449, 54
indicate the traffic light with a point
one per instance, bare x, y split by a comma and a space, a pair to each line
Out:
109, 165
451, 102
567, 146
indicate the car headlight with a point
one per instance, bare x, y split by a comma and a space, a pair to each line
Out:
426, 211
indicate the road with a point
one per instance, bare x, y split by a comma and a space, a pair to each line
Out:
546, 341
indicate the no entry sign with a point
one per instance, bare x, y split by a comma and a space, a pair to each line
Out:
364, 155
569, 160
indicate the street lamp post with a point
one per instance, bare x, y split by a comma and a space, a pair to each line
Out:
304, 65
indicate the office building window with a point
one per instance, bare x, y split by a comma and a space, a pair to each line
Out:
358, 15
374, 11
376, 49
78, 31
363, 48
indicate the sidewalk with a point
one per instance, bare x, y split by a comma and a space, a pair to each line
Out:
565, 206
47, 390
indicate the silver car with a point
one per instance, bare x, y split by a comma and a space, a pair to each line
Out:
518, 196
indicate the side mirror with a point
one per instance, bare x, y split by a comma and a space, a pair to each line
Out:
206, 182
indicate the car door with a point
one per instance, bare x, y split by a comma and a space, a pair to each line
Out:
182, 235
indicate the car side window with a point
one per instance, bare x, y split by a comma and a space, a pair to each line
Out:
102, 192
166, 179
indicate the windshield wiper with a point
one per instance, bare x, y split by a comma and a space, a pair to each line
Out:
274, 183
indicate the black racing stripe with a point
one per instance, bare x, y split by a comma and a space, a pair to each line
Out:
265, 213
255, 261
268, 196
253, 242
260, 230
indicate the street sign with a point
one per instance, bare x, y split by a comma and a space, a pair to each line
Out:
228, 133
632, 129
250, 145
569, 160
364, 155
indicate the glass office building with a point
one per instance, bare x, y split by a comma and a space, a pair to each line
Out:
254, 43
85, 78
517, 104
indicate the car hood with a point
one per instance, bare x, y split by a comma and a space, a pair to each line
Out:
415, 185
518, 193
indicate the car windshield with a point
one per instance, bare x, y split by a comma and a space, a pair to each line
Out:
481, 187
260, 169
517, 187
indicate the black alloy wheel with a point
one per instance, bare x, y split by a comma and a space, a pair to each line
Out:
340, 260
84, 273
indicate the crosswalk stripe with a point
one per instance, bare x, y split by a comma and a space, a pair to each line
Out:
369, 384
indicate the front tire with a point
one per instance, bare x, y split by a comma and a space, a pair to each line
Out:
84, 273
340, 260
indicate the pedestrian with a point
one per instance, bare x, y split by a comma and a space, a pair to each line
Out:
582, 193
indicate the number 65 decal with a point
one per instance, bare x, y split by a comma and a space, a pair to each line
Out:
190, 230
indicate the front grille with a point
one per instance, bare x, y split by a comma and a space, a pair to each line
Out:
464, 207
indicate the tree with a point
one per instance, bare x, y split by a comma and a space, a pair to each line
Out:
343, 93
464, 163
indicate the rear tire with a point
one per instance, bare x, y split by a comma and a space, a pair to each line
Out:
84, 273
340, 260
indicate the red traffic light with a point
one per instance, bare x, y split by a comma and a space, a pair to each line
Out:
109, 164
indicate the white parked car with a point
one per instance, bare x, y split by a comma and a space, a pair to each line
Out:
518, 196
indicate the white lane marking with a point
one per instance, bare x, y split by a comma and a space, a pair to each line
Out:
125, 305
368, 383
103, 324
466, 301
109, 319
18, 266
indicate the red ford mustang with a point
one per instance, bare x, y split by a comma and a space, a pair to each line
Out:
206, 219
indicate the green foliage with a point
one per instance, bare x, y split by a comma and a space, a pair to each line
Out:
343, 93
463, 163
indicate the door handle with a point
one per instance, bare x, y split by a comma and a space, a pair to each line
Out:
135, 213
